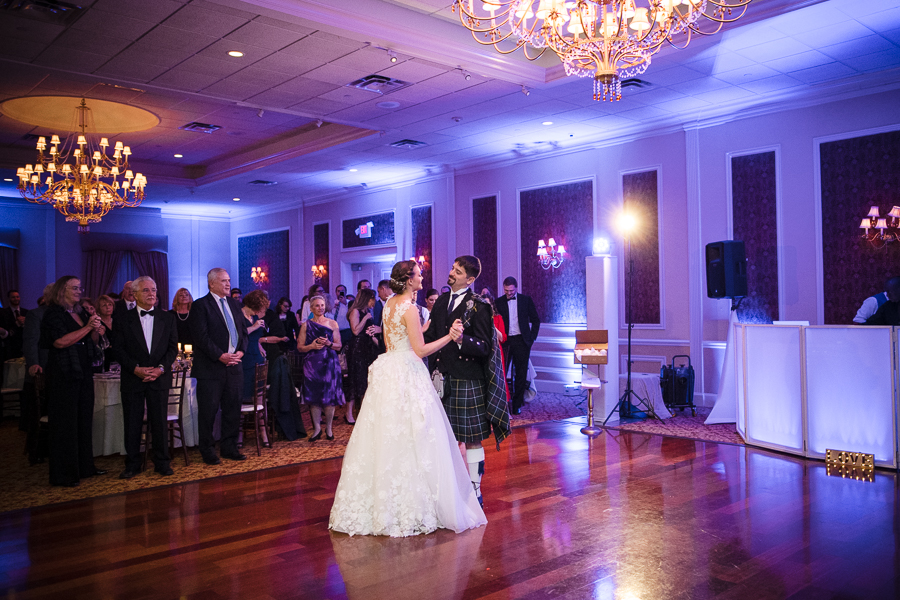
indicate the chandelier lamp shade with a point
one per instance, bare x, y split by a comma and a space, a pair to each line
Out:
880, 231
79, 177
419, 261
551, 254
609, 40
259, 277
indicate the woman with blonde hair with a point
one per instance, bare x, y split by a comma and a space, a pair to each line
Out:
181, 306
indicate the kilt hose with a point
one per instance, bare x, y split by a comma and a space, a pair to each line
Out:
464, 403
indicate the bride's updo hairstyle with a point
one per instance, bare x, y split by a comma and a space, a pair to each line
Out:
400, 274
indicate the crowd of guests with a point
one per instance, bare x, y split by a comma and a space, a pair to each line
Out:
69, 338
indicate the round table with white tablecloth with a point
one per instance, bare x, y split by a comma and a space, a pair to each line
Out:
13, 374
109, 423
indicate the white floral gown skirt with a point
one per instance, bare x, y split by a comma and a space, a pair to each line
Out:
403, 473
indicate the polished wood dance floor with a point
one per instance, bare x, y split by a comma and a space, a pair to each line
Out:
625, 516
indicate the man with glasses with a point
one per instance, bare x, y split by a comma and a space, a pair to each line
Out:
145, 343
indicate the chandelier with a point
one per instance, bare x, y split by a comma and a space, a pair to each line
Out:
259, 277
78, 178
880, 231
318, 271
551, 255
609, 40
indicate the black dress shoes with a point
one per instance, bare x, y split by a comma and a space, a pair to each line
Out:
348, 422
517, 410
97, 472
329, 437
128, 474
212, 460
234, 456
316, 437
164, 471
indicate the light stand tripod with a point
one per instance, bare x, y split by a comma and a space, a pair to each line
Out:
624, 405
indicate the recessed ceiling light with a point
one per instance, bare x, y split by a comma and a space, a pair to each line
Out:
236, 199
351, 170
388, 104
236, 53
547, 123
178, 155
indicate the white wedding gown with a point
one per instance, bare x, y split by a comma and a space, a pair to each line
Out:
403, 473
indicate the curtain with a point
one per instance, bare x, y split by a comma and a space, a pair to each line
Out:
9, 273
100, 268
156, 265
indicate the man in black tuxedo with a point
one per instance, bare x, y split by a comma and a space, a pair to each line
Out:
220, 340
464, 364
521, 331
125, 302
12, 325
145, 342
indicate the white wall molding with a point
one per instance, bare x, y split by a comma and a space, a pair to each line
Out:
695, 251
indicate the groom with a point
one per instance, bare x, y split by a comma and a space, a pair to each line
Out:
466, 365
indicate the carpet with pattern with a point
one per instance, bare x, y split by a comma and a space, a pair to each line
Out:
26, 485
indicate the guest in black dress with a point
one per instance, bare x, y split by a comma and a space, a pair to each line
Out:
70, 337
289, 322
181, 306
105, 308
364, 349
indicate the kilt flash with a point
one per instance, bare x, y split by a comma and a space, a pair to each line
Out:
464, 403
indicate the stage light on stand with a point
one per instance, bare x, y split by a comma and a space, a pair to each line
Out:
602, 247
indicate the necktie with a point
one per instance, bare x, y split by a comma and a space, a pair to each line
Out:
229, 320
453, 299
147, 312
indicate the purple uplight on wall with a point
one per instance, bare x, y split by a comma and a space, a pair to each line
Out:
753, 200
558, 294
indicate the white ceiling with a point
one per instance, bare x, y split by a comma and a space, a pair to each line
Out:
170, 57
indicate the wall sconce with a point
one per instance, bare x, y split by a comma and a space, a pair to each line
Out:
318, 271
884, 229
551, 254
420, 261
259, 277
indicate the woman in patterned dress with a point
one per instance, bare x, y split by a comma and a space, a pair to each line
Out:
320, 339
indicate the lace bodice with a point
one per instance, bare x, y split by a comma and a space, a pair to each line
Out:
396, 336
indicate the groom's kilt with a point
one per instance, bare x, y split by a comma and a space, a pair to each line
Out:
464, 403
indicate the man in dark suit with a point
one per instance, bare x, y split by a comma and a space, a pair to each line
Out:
220, 340
12, 325
125, 302
521, 331
384, 292
145, 342
464, 364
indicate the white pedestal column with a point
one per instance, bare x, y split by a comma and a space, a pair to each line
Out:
602, 284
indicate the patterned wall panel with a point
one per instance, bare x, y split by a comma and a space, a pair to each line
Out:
856, 174
270, 251
421, 243
484, 238
565, 213
321, 241
641, 197
382, 230
754, 210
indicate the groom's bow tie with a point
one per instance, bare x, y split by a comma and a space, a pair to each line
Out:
147, 312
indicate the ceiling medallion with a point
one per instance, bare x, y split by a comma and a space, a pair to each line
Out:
609, 40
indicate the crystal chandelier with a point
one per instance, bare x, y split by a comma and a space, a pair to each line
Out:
609, 40
878, 230
78, 178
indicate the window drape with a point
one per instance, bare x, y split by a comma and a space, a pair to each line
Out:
156, 265
100, 268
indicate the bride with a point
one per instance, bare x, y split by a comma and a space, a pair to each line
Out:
402, 473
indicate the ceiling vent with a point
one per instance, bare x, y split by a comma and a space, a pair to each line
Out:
262, 182
408, 144
378, 84
200, 127
635, 83
46, 11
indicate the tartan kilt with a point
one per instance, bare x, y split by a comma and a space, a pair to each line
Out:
464, 403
